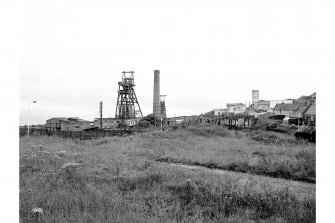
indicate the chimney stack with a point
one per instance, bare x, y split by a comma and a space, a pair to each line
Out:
156, 104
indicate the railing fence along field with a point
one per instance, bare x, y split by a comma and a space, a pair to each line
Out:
83, 135
230, 121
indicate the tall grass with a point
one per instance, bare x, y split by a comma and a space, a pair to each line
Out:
116, 180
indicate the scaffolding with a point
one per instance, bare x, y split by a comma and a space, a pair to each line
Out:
162, 106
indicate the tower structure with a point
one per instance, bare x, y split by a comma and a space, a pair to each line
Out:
162, 105
255, 96
127, 106
100, 112
156, 102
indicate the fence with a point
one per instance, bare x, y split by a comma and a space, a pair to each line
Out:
230, 121
84, 135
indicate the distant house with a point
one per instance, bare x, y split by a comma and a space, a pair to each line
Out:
273, 103
309, 115
311, 99
285, 109
297, 113
295, 110
219, 112
262, 105
236, 108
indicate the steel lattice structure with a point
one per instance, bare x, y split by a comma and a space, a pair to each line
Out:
162, 105
127, 106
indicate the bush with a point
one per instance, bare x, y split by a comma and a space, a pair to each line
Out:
306, 134
207, 130
263, 123
272, 137
122, 125
148, 121
175, 127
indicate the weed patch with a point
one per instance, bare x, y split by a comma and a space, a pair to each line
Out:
208, 130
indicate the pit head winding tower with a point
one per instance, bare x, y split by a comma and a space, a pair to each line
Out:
127, 106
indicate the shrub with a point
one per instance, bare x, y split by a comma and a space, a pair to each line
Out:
272, 137
264, 123
175, 127
122, 125
306, 134
208, 130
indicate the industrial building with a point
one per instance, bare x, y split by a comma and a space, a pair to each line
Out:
112, 123
255, 96
67, 124
262, 105
236, 108
219, 112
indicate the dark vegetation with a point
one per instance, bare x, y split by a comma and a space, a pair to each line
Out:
263, 127
274, 125
148, 122
307, 134
269, 137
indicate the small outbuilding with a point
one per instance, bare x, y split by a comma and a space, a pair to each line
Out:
309, 115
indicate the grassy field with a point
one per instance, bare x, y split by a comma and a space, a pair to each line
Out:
217, 147
118, 180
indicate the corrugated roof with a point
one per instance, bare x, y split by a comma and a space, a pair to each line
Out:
311, 110
301, 108
59, 118
235, 104
286, 107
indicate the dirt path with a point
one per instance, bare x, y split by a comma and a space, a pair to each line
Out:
301, 188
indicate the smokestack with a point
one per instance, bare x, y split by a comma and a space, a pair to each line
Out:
100, 111
156, 104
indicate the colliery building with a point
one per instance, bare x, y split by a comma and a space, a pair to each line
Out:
236, 108
112, 123
67, 124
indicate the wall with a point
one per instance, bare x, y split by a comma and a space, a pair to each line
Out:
53, 124
218, 112
238, 108
107, 123
74, 126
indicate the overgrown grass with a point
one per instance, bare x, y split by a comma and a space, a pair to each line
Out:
270, 137
118, 181
207, 130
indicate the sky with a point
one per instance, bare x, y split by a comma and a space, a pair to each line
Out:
72, 53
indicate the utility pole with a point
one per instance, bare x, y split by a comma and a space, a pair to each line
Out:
100, 114
29, 115
161, 124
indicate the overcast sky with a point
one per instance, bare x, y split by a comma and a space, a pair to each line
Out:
209, 53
